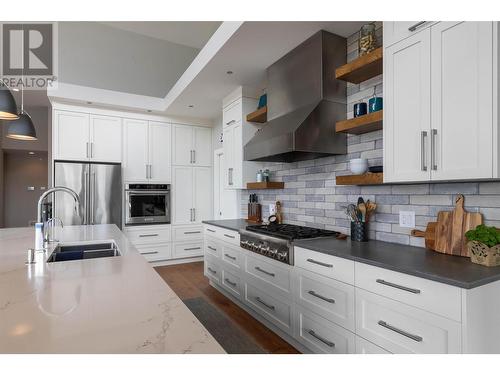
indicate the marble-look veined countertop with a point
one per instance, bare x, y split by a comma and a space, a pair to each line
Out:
106, 305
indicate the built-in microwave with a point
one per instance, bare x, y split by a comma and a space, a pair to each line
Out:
147, 204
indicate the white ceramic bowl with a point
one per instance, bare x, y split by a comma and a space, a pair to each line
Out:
358, 166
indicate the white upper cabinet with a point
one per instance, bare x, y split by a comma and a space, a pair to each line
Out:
236, 133
135, 147
192, 145
106, 138
160, 159
397, 31
462, 100
407, 109
440, 115
84, 137
147, 151
71, 135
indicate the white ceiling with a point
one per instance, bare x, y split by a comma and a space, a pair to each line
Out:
254, 47
188, 33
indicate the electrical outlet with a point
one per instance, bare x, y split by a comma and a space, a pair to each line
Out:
272, 209
407, 219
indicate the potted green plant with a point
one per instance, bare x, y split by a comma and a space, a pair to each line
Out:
484, 245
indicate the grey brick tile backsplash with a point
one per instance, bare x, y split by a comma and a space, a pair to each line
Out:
312, 198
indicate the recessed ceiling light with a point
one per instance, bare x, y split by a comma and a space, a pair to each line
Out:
229, 72
191, 106
31, 153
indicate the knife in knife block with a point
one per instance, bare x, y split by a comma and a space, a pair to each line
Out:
254, 212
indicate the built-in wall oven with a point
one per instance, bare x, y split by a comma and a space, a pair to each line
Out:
147, 204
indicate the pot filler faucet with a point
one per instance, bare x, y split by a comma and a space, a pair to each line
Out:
39, 226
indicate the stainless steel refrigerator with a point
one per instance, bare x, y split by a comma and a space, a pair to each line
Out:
99, 187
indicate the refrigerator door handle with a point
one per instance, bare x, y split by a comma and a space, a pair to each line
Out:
85, 200
92, 197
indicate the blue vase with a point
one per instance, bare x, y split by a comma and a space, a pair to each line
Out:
375, 104
360, 109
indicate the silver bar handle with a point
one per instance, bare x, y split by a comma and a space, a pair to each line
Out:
259, 300
194, 156
91, 149
191, 156
87, 149
314, 294
230, 122
148, 235
265, 272
323, 340
230, 172
193, 232
92, 203
433, 149
192, 248
149, 253
416, 26
190, 215
85, 201
423, 163
150, 171
194, 214
210, 230
397, 286
320, 263
230, 256
211, 270
230, 282
211, 248
228, 236
147, 172
400, 331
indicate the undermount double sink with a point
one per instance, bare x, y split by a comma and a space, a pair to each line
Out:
65, 252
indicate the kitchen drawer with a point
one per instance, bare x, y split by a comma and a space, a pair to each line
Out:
400, 328
329, 298
232, 113
212, 269
232, 255
187, 249
273, 309
213, 247
326, 265
366, 347
271, 274
415, 291
148, 234
156, 252
322, 336
187, 233
211, 230
230, 236
231, 282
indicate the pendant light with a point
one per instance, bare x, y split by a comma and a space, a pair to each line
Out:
22, 129
8, 107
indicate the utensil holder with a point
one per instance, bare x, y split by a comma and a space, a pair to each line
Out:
359, 231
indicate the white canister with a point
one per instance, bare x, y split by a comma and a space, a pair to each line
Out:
358, 166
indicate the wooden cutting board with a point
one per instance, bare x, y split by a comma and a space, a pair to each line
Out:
451, 228
429, 234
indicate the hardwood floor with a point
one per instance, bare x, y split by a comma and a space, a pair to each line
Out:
187, 281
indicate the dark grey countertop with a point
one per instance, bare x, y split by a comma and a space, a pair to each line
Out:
416, 261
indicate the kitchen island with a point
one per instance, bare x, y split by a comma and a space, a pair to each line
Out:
104, 305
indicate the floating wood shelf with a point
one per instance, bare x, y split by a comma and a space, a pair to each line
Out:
259, 115
361, 69
361, 179
265, 185
362, 124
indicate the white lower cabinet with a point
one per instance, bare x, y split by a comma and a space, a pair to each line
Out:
152, 241
327, 304
155, 252
400, 328
366, 347
322, 336
187, 249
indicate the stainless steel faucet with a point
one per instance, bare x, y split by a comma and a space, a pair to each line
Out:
40, 224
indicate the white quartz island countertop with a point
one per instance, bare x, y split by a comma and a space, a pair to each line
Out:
105, 305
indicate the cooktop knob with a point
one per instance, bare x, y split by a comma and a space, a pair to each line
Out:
282, 255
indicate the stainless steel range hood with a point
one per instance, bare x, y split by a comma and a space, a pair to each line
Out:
304, 102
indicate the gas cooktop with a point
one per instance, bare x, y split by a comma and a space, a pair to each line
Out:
290, 232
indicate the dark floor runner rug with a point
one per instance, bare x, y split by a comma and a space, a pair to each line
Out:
227, 334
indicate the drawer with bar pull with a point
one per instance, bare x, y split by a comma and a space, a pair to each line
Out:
187, 249
400, 328
226, 235
321, 336
212, 269
139, 235
155, 252
329, 298
268, 272
187, 233
415, 291
213, 247
231, 282
231, 255
326, 265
